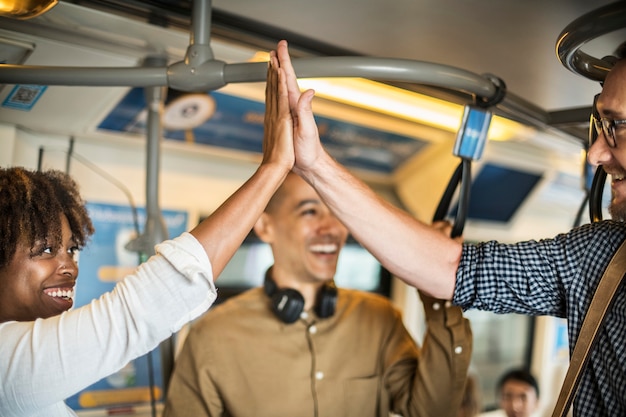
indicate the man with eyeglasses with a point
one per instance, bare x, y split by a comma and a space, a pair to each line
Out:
607, 147
554, 277
608, 128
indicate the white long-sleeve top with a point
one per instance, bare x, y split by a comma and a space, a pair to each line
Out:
42, 362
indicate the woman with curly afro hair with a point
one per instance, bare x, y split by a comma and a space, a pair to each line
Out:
37, 207
49, 351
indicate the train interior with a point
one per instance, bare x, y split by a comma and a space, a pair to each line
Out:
398, 134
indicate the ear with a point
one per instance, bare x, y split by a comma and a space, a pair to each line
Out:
264, 228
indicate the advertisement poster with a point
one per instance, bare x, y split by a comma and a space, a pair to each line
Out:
102, 263
238, 124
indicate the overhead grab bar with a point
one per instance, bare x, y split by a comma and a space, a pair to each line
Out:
199, 71
584, 29
214, 74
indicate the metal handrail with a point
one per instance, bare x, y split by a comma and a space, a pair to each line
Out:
584, 29
199, 71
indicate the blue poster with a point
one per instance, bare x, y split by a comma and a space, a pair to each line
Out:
561, 341
102, 263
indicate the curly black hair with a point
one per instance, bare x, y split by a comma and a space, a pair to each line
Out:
30, 206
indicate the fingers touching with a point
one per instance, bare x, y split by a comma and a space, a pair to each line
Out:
307, 145
278, 123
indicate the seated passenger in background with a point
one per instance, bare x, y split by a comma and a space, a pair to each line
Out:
48, 353
299, 346
518, 392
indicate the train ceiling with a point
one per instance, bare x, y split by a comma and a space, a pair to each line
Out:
513, 40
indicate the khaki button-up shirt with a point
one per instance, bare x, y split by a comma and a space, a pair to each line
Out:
240, 360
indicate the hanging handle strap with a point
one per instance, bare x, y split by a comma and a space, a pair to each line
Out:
462, 177
600, 304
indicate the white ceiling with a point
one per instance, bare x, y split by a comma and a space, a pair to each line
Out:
512, 39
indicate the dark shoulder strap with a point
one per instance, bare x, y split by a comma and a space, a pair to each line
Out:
600, 304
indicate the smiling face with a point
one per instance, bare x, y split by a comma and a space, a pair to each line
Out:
612, 104
304, 235
39, 282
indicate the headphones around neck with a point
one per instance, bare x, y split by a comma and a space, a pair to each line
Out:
288, 303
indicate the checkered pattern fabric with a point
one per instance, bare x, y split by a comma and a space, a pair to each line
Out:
557, 277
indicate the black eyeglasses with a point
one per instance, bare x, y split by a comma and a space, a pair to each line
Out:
607, 127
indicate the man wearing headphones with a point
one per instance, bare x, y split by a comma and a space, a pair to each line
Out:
301, 347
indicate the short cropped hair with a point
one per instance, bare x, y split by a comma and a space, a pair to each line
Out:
31, 203
520, 375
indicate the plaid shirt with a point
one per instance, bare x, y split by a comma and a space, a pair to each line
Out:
557, 277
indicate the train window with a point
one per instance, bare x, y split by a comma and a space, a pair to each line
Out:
501, 342
492, 182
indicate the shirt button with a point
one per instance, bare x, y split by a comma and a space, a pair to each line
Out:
448, 304
304, 315
436, 306
319, 375
313, 329
458, 349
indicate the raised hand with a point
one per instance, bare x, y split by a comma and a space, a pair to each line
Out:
307, 145
278, 132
